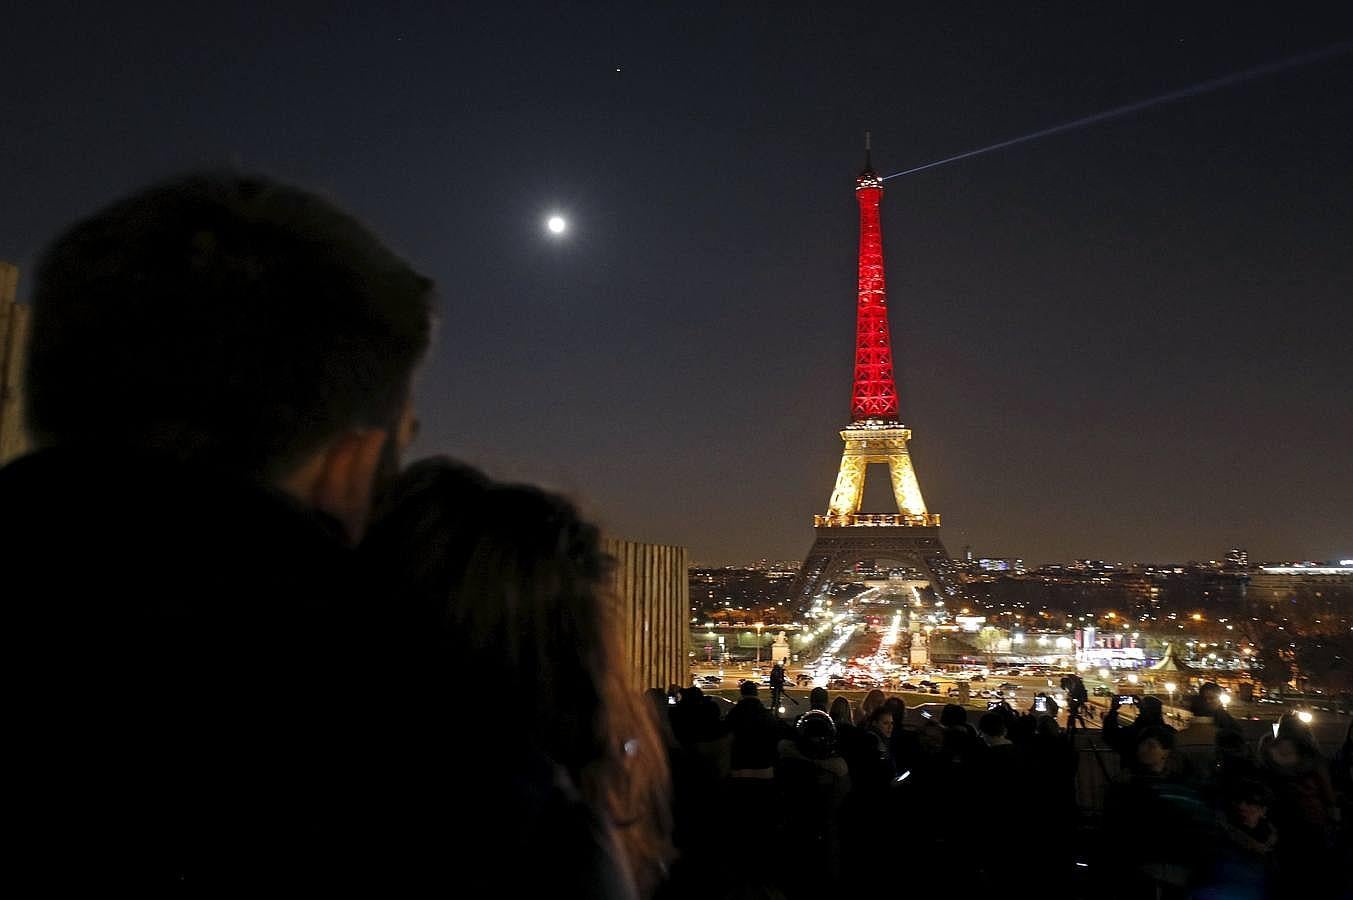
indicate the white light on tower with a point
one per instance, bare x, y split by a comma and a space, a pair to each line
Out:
556, 224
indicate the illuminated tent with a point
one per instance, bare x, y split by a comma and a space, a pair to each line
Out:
1170, 663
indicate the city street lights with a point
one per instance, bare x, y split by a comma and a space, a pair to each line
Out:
1170, 686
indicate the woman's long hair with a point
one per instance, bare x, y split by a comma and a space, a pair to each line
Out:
872, 701
513, 582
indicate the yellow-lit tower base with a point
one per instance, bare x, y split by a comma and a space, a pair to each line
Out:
866, 444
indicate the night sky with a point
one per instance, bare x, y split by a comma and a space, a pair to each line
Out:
1131, 341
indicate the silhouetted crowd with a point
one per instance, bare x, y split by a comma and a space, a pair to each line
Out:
1195, 812
251, 651
1206, 813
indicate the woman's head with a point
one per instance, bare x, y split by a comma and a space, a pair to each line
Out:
872, 701
1294, 728
1287, 754
881, 721
1247, 801
1151, 750
509, 579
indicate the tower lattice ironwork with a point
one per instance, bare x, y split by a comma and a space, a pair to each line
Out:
845, 536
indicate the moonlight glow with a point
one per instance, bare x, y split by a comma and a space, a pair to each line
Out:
556, 224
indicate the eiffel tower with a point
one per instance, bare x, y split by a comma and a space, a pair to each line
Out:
844, 536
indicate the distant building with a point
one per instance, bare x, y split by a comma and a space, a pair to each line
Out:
1314, 597
743, 593
1139, 594
1000, 564
14, 320
1236, 558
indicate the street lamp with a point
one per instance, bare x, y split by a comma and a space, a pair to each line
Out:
759, 626
1170, 686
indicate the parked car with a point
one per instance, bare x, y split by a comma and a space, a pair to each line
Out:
709, 679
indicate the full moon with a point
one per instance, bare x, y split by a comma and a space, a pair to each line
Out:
556, 224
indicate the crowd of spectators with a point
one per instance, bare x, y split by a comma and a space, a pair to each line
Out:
1195, 812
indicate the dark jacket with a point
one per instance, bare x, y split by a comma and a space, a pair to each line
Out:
181, 662
754, 734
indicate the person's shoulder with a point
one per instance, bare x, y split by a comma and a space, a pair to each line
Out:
188, 541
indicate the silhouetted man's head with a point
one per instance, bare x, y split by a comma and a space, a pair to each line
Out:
817, 699
231, 323
953, 716
747, 689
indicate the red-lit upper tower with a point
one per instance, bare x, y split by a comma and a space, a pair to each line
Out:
875, 393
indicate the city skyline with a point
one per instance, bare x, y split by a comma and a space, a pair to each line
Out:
1124, 342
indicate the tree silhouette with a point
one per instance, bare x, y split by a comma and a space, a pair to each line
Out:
989, 641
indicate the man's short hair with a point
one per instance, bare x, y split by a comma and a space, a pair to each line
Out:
224, 320
747, 689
